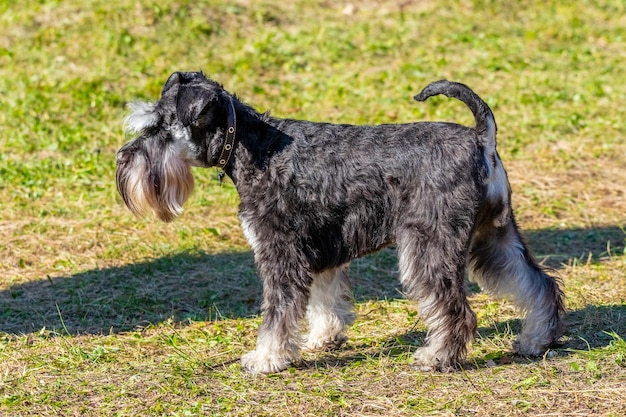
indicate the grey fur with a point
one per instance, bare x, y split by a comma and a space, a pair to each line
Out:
314, 196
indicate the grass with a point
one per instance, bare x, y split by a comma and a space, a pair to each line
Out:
105, 314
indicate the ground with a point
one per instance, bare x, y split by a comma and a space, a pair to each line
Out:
105, 314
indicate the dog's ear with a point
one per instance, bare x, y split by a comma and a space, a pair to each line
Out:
174, 79
181, 78
193, 102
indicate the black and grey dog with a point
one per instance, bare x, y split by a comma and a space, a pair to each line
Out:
315, 196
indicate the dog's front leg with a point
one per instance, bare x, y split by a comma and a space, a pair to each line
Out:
285, 299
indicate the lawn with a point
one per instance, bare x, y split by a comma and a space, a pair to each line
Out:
105, 314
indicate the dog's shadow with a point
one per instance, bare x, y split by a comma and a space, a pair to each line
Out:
206, 287
180, 287
556, 247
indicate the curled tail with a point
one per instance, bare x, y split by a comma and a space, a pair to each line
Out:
485, 122
498, 188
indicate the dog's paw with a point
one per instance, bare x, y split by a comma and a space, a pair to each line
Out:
427, 360
527, 347
256, 363
315, 344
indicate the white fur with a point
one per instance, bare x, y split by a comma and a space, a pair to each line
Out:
139, 203
249, 232
181, 134
177, 181
516, 281
270, 354
524, 286
329, 310
428, 357
176, 185
142, 116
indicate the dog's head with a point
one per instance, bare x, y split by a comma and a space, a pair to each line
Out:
185, 128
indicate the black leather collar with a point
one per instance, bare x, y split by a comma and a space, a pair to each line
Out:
229, 142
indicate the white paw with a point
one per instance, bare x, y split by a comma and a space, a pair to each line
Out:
425, 360
317, 344
428, 360
257, 363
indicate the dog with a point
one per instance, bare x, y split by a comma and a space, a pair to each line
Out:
314, 196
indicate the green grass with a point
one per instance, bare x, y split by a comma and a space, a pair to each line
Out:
105, 314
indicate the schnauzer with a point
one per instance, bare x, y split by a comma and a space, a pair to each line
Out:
314, 196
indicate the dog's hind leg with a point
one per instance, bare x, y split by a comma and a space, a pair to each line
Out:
501, 263
432, 273
329, 309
